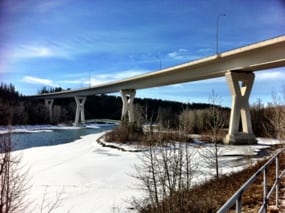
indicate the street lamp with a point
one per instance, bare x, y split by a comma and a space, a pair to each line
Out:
159, 61
217, 34
159, 57
89, 79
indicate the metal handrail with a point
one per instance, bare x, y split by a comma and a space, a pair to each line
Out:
237, 197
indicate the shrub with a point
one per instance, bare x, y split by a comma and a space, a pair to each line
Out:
124, 134
12, 183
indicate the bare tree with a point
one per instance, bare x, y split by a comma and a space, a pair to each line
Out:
194, 120
216, 121
257, 111
187, 121
49, 206
13, 183
278, 115
148, 118
165, 169
166, 118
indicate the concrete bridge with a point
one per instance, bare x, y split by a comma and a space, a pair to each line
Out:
238, 66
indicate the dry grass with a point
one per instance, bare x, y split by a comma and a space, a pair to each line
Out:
124, 134
130, 134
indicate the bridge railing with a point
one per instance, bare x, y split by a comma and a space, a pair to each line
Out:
236, 199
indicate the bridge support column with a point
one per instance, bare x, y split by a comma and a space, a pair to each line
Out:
49, 104
240, 84
128, 97
80, 113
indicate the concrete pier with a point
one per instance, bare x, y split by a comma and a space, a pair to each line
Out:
240, 84
128, 97
80, 113
49, 105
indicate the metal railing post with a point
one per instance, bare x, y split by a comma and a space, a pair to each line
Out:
265, 188
239, 204
237, 196
277, 181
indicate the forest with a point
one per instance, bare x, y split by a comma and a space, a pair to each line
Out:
15, 109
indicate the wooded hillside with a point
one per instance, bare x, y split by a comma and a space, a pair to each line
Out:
15, 109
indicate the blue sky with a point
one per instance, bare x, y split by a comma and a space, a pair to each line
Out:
66, 42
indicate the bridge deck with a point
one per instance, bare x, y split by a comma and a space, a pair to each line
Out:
259, 56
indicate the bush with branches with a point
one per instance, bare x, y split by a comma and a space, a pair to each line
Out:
13, 183
165, 169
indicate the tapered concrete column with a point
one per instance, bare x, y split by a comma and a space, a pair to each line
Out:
240, 84
128, 97
49, 104
80, 113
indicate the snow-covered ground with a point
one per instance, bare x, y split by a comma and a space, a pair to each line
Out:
90, 178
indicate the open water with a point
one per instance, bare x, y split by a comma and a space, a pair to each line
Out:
50, 136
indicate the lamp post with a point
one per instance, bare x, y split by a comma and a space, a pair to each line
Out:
89, 79
217, 33
159, 61
159, 57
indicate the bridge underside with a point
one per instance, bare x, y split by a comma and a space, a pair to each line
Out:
240, 84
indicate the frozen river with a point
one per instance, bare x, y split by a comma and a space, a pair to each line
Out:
91, 178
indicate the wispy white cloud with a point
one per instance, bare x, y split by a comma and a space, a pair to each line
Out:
181, 54
69, 47
76, 80
36, 80
37, 51
178, 55
206, 50
270, 75
47, 5
103, 78
122, 75
43, 5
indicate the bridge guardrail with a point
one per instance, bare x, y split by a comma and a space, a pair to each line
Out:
236, 199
